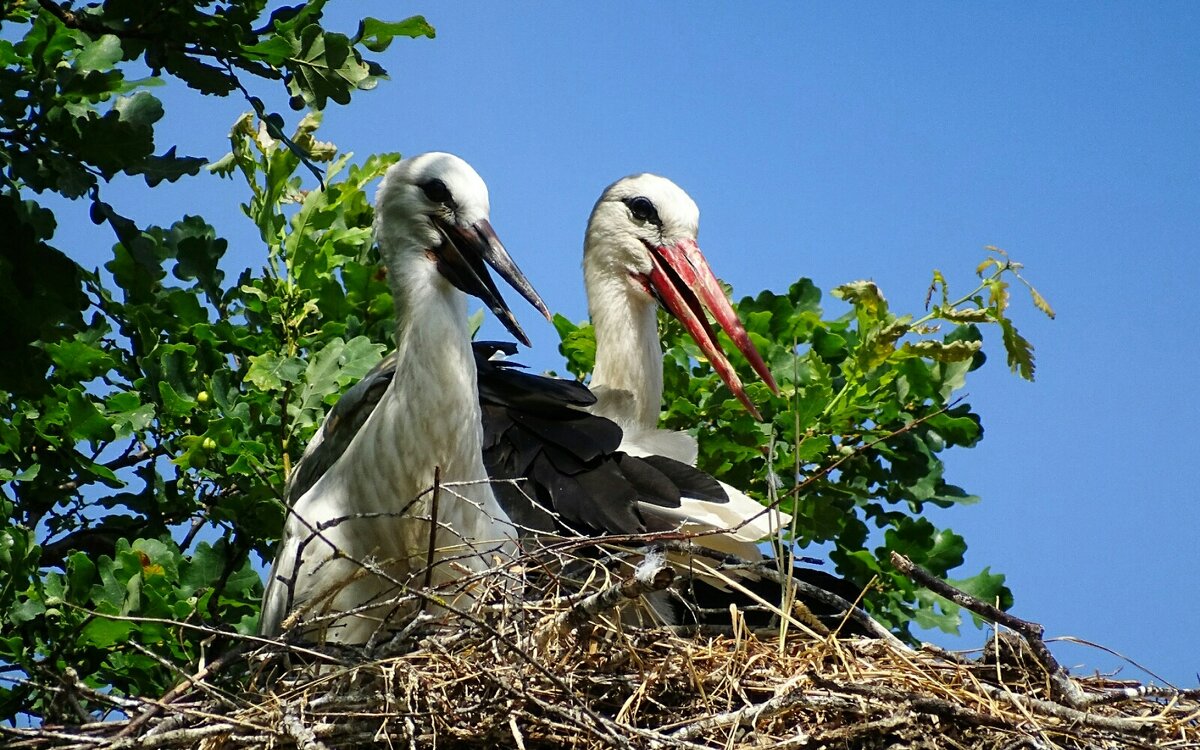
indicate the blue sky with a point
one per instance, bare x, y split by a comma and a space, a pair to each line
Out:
880, 142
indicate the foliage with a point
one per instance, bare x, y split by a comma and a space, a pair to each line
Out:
173, 416
148, 413
867, 406
71, 119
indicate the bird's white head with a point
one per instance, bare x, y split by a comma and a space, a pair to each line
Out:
425, 187
642, 234
433, 208
634, 214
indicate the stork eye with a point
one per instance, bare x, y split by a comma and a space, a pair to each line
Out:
436, 191
643, 210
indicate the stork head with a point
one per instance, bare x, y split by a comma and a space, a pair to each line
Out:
434, 206
642, 232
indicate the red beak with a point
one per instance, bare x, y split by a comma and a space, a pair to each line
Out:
686, 286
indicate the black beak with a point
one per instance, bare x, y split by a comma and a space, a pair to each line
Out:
461, 259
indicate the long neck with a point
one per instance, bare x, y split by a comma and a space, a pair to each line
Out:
628, 351
435, 382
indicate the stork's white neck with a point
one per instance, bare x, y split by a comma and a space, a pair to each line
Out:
628, 351
429, 420
435, 381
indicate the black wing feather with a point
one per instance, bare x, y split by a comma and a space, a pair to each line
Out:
535, 428
691, 483
568, 474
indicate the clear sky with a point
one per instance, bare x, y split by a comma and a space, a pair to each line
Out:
880, 142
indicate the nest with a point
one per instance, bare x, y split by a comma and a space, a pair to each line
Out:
569, 672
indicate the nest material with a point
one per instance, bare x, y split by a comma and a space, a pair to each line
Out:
566, 673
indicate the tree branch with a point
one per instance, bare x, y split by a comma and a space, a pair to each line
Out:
1060, 681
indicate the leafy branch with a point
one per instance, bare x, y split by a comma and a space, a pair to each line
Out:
138, 471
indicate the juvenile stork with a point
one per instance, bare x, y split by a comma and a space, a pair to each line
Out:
360, 493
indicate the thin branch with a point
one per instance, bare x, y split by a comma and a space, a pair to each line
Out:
1031, 632
433, 526
188, 681
653, 574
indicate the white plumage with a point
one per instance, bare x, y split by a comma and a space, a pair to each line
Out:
431, 211
640, 249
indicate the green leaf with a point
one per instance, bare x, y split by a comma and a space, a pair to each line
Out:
81, 575
830, 346
971, 315
8, 53
28, 474
270, 372
946, 553
199, 75
865, 296
954, 351
813, 448
174, 403
27, 610
1018, 349
130, 416
80, 360
377, 35
169, 167
357, 359
140, 110
578, 345
101, 54
1040, 303
102, 632
274, 50
934, 612
205, 568
325, 67
958, 426
336, 365
998, 295
199, 251
475, 322
987, 586
121, 139
87, 421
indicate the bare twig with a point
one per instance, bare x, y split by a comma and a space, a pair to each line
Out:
186, 684
653, 574
433, 526
1032, 632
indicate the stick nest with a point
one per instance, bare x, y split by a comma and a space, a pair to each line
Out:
540, 675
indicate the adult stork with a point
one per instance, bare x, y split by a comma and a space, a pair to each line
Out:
359, 494
640, 251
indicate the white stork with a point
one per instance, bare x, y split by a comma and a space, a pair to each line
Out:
353, 501
640, 250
